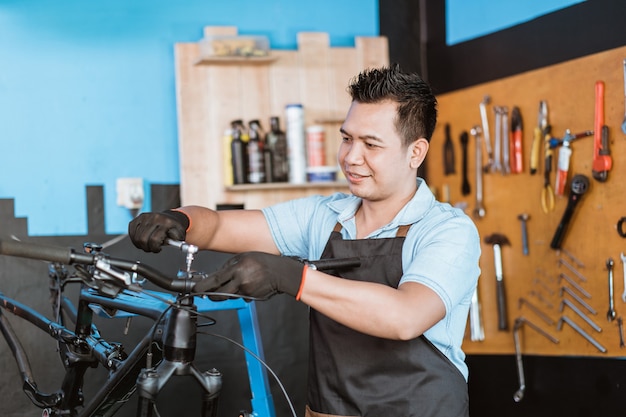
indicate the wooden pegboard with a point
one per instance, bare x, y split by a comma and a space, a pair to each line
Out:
569, 89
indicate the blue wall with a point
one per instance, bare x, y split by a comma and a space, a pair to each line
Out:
87, 91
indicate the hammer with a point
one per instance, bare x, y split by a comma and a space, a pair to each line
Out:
497, 241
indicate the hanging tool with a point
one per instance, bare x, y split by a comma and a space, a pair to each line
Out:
523, 218
576, 297
620, 327
569, 266
624, 121
485, 122
537, 311
602, 161
580, 314
497, 241
539, 134
579, 186
519, 322
479, 210
465, 185
448, 153
516, 135
623, 258
610, 315
506, 141
477, 333
620, 226
565, 153
497, 146
565, 319
574, 284
547, 194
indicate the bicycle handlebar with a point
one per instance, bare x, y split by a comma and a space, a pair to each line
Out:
68, 256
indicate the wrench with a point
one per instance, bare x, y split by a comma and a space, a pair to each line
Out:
506, 141
485, 123
497, 146
623, 257
610, 315
479, 210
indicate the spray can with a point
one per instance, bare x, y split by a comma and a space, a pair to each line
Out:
562, 168
315, 146
296, 146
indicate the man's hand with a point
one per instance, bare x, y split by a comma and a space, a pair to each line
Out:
254, 274
148, 231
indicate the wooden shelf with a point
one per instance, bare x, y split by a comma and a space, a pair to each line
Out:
236, 60
286, 186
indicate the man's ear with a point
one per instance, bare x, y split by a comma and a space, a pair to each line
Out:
419, 149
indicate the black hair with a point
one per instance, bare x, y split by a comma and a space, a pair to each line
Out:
417, 105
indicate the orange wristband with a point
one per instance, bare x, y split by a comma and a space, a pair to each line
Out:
186, 215
301, 289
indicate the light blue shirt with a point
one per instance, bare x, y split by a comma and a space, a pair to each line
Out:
440, 251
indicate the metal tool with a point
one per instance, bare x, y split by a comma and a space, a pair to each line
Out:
448, 153
565, 319
506, 141
465, 185
566, 264
577, 261
620, 327
623, 258
540, 132
517, 157
537, 311
497, 241
579, 186
477, 333
602, 161
479, 210
547, 193
485, 122
523, 218
571, 137
576, 297
624, 121
497, 147
519, 322
189, 249
610, 315
575, 285
568, 303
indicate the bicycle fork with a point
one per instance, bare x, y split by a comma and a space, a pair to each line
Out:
179, 351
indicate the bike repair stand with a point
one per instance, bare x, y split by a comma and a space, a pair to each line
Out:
179, 346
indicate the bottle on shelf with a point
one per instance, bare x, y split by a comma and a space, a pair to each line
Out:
296, 145
238, 153
256, 168
276, 145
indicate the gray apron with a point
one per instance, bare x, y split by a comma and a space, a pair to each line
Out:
354, 374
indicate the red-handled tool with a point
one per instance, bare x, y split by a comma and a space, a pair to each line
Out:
602, 161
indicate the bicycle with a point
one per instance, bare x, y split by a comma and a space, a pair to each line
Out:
114, 287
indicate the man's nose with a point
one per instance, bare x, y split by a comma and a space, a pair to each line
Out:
354, 154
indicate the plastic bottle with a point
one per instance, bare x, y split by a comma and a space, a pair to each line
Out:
256, 168
276, 145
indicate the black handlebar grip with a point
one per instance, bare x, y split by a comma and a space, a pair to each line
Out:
338, 263
35, 251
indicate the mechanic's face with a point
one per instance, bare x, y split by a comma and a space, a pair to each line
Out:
372, 157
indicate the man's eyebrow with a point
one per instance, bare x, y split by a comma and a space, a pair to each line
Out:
365, 137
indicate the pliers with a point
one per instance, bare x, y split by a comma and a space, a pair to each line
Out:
547, 193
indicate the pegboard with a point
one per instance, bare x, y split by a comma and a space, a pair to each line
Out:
591, 237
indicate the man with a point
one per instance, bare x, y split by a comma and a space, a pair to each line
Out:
386, 336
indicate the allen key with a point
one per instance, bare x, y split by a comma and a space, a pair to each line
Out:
537, 311
575, 285
571, 268
519, 394
580, 331
582, 315
577, 298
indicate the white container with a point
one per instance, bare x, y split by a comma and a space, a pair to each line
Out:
322, 174
296, 143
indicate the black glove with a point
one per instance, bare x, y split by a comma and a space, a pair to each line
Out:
148, 231
254, 274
